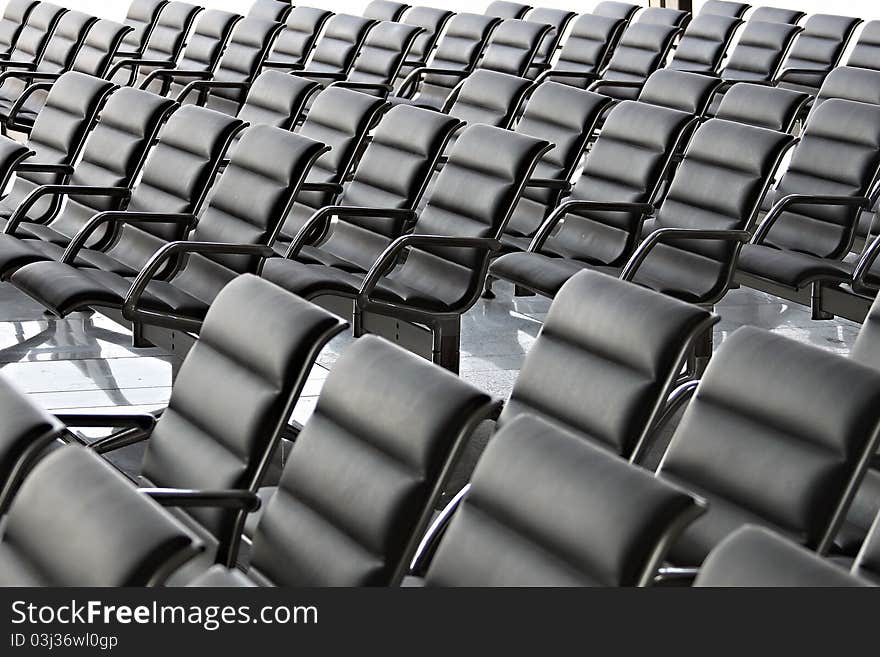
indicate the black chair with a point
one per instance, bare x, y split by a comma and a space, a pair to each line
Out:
458, 50
278, 99
341, 119
665, 16
447, 252
392, 434
749, 445
385, 10
226, 87
12, 22
141, 18
866, 53
163, 48
172, 188
111, 160
586, 50
338, 47
56, 139
296, 41
773, 108
488, 97
816, 51
200, 56
33, 38
760, 52
725, 8
505, 10
680, 90
387, 186
704, 44
754, 556
559, 20
850, 83
432, 21
580, 517
125, 539
270, 10
777, 15
620, 10
812, 225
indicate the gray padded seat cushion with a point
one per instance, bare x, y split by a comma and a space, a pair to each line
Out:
848, 83
586, 49
704, 44
558, 20
866, 53
382, 54
506, 9
339, 44
141, 17
490, 98
301, 30
614, 9
819, 47
363, 468
513, 46
687, 92
756, 557
432, 21
604, 360
773, 108
790, 268
546, 508
759, 53
776, 15
749, 445
385, 10
725, 8
77, 522
641, 51
270, 10
277, 99
665, 16
14, 17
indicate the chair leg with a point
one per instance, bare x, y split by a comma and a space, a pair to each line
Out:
816, 303
447, 343
699, 357
487, 288
357, 322
138, 341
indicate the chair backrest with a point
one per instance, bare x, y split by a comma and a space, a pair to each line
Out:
270, 10
65, 41
385, 10
301, 30
59, 132
432, 21
176, 177
340, 43
366, 470
626, 164
277, 99
208, 41
129, 540
558, 20
545, 508
849, 83
839, 154
754, 556
760, 51
393, 172
622, 10
489, 97
777, 15
13, 21
819, 47
513, 46
681, 90
95, 55
171, 31
745, 158
36, 32
867, 563
459, 48
237, 387
665, 16
114, 153
866, 53
759, 105
642, 50
725, 8
339, 118
383, 52
473, 196
566, 117
505, 9
758, 454
705, 43
605, 361
141, 17
589, 45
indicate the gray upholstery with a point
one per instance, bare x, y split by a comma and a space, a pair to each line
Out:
850, 83
301, 31
867, 563
77, 522
818, 48
777, 15
432, 21
619, 10
773, 108
866, 53
725, 8
760, 51
665, 16
558, 20
270, 10
513, 46
141, 17
605, 360
753, 556
385, 10
546, 508
489, 97
277, 99
586, 50
705, 43
505, 9
36, 32
750, 446
680, 90
382, 55
14, 17
339, 44
642, 50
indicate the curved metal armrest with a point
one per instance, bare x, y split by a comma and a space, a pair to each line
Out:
29, 76
135, 62
170, 74
243, 500
428, 545
23, 97
292, 66
783, 204
359, 86
25, 66
328, 187
549, 183
578, 75
617, 84
863, 266
121, 217
674, 234
207, 85
136, 427
787, 72
411, 81
389, 256
130, 306
39, 167
319, 75
60, 190
575, 206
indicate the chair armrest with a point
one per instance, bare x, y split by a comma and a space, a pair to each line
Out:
328, 187
783, 204
863, 267
25, 66
170, 74
121, 217
12, 156
578, 75
428, 545
207, 85
675, 234
323, 215
60, 190
319, 75
135, 62
575, 206
363, 86
675, 576
389, 256
134, 428
30, 90
616, 84
39, 167
788, 72
293, 66
549, 183
412, 79
244, 500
